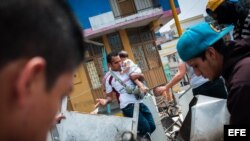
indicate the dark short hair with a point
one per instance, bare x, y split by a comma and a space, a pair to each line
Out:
123, 54
110, 55
220, 46
44, 28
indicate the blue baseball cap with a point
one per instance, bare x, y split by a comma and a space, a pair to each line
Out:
197, 39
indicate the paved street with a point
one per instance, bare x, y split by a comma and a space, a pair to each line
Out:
183, 98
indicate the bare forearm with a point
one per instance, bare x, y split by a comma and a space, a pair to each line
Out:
175, 80
178, 76
103, 102
138, 76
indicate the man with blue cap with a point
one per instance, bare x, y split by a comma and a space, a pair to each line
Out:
203, 48
235, 12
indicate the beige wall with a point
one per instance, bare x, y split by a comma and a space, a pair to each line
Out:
81, 98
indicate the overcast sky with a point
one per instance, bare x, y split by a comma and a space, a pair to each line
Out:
189, 8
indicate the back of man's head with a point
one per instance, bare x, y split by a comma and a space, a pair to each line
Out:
43, 28
227, 11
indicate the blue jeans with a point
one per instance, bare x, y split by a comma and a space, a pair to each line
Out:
146, 122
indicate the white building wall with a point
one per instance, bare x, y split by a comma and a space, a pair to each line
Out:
108, 19
188, 23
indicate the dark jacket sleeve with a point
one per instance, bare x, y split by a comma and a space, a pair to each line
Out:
239, 92
238, 104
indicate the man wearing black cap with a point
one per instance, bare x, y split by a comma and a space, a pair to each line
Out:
231, 12
203, 48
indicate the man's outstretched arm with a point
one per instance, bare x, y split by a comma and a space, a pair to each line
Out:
177, 78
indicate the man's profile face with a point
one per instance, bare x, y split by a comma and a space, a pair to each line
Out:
116, 63
206, 68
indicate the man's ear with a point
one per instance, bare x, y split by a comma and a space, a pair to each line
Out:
33, 71
109, 65
211, 53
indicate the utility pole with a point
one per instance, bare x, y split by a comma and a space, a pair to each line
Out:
176, 19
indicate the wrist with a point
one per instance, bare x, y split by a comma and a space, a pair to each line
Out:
108, 100
167, 88
164, 93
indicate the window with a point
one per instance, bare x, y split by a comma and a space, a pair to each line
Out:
93, 75
127, 7
152, 55
115, 42
94, 64
144, 49
122, 8
140, 57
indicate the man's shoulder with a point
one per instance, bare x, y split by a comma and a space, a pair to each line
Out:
240, 73
110, 75
107, 74
106, 77
243, 65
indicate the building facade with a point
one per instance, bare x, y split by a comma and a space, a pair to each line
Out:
118, 25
